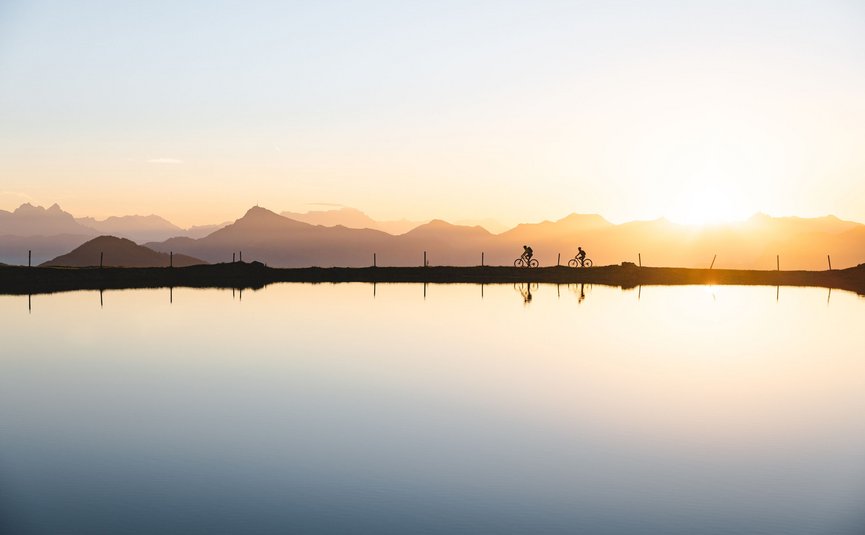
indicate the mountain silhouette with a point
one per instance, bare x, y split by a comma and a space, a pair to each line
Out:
137, 228
118, 252
49, 232
29, 220
269, 237
803, 243
200, 231
261, 234
351, 218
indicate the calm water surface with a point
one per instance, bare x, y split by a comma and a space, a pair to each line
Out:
352, 409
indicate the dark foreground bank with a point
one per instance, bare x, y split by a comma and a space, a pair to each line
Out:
19, 280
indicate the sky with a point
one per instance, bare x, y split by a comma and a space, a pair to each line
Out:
517, 111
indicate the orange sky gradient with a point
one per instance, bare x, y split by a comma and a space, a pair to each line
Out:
508, 111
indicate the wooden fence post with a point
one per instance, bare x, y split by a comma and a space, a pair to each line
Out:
639, 260
713, 261
374, 260
777, 262
424, 259
30, 258
482, 259
100, 260
829, 258
171, 259
559, 260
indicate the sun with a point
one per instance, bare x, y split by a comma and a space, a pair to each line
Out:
707, 200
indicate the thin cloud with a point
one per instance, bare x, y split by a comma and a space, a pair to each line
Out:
16, 194
14, 197
164, 160
328, 204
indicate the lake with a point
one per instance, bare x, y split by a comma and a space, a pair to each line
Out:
411, 408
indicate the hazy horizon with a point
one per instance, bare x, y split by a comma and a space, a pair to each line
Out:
477, 220
512, 111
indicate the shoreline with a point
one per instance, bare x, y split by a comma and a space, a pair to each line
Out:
22, 280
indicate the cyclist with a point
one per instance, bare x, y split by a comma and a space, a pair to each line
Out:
527, 253
581, 254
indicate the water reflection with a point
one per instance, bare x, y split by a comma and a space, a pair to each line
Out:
325, 409
526, 291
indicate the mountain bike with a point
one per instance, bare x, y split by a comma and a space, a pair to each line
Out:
576, 262
522, 261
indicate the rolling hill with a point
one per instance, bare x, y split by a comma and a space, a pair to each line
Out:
118, 252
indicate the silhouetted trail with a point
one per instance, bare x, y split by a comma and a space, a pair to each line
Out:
18, 280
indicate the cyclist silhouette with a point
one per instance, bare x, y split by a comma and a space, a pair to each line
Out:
581, 254
527, 252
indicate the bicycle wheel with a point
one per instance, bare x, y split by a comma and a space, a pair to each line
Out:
572, 262
519, 262
533, 263
587, 262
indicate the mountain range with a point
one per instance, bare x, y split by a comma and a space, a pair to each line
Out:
279, 241
49, 232
327, 239
354, 218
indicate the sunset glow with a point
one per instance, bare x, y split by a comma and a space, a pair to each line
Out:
487, 267
517, 112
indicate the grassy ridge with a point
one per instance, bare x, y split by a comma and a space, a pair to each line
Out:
17, 280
